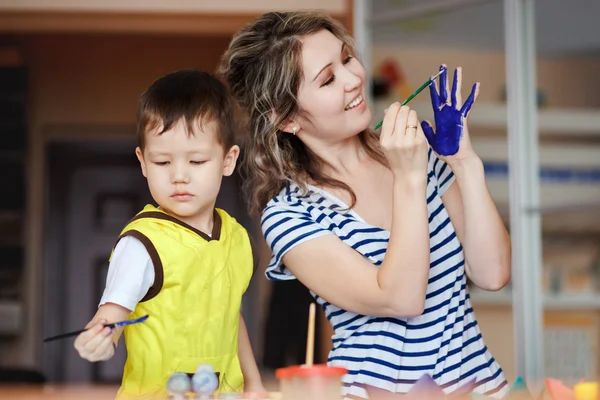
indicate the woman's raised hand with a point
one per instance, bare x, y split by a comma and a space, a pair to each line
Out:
404, 143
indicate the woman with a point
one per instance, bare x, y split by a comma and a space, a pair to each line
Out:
383, 231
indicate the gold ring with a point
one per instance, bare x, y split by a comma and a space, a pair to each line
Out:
411, 126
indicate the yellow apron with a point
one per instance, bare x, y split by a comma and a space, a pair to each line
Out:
194, 303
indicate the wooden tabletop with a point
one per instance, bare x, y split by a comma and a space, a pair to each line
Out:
66, 392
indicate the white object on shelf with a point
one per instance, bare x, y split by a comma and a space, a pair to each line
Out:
551, 301
567, 121
11, 313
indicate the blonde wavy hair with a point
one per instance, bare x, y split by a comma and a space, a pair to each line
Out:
263, 70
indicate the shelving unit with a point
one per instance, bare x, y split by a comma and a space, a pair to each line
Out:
13, 133
532, 217
574, 121
577, 302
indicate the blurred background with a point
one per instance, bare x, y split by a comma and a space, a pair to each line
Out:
71, 73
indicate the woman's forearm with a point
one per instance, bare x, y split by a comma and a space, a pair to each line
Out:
404, 272
485, 239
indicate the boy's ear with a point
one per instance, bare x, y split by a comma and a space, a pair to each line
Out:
230, 160
140, 157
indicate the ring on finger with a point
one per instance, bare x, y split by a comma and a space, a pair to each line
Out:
411, 126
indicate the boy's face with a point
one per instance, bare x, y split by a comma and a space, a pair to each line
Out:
184, 172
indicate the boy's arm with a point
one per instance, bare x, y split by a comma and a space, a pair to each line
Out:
130, 275
108, 313
99, 343
252, 379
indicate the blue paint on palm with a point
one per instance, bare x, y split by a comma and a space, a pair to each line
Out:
449, 119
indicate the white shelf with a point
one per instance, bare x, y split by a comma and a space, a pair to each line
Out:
11, 313
551, 301
493, 115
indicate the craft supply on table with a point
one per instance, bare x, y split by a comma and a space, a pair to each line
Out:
205, 381
310, 381
178, 385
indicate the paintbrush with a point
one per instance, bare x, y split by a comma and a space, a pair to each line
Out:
113, 325
419, 90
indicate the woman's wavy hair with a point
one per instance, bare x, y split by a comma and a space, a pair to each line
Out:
263, 70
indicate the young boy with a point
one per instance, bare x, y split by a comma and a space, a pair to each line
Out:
185, 263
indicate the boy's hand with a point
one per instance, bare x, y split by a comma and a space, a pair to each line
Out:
96, 344
254, 388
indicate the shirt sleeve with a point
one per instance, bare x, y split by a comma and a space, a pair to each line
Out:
130, 274
285, 226
441, 171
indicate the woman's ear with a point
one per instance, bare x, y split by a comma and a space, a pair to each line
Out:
290, 127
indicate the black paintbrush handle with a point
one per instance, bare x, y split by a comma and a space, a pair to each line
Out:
64, 335
70, 334
112, 325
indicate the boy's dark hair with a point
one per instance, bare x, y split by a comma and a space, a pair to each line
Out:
195, 96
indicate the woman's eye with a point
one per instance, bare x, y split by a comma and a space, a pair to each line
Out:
329, 81
161, 162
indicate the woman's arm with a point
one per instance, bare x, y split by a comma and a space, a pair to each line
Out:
342, 276
478, 225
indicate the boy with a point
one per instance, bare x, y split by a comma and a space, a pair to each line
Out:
185, 263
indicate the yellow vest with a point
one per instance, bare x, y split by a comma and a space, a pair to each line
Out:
194, 303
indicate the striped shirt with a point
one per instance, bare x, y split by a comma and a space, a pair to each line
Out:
391, 353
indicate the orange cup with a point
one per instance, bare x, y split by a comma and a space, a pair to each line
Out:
317, 382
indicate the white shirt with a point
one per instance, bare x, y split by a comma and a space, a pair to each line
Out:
130, 274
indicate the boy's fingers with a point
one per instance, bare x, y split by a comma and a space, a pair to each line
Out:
93, 343
84, 338
103, 348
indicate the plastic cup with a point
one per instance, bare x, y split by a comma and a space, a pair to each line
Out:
317, 382
586, 391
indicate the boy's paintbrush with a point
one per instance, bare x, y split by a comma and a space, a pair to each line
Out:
113, 325
419, 90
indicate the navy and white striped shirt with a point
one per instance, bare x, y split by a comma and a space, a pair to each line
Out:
392, 353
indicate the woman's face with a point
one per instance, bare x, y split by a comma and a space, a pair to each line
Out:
333, 89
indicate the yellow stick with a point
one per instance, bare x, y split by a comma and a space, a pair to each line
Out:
310, 338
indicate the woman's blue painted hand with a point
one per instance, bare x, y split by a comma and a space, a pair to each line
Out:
450, 138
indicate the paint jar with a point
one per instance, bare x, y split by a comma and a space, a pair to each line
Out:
317, 382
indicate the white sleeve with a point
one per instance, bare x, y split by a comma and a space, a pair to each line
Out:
130, 274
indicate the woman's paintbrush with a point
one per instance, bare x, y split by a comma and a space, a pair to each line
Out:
419, 90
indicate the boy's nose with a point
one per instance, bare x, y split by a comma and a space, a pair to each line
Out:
181, 175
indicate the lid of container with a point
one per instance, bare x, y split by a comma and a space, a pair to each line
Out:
317, 369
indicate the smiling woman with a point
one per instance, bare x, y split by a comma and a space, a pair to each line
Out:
382, 230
